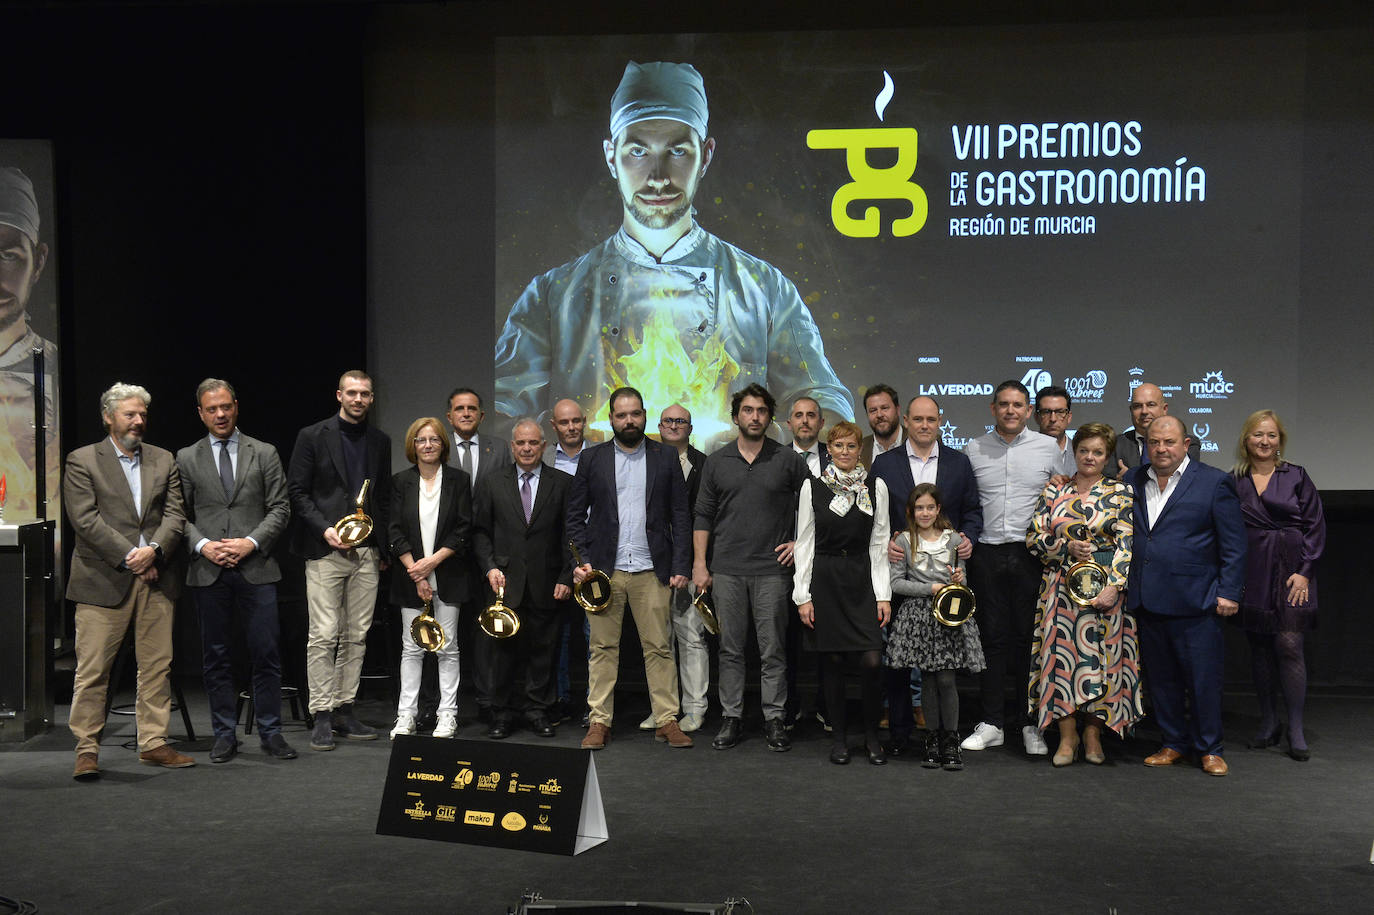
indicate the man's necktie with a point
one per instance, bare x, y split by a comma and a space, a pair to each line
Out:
526, 494
226, 469
465, 459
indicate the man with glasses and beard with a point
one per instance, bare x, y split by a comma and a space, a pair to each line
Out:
627, 514
742, 543
577, 328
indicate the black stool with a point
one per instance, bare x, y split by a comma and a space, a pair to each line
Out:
289, 694
126, 648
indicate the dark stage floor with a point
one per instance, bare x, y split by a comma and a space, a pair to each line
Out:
789, 832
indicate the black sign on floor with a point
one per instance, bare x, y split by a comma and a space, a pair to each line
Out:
504, 794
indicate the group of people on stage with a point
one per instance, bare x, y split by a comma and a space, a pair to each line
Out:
840, 548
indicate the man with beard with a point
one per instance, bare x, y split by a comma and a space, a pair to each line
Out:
329, 464
805, 421
880, 403
22, 258
123, 499
1053, 414
742, 542
735, 317
628, 513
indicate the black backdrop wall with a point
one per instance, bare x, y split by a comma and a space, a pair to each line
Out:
213, 201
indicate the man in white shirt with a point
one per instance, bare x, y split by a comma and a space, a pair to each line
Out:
689, 632
806, 420
1054, 416
1012, 464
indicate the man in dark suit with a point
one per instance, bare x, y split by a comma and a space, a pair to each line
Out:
478, 455
689, 632
331, 461
628, 513
236, 507
520, 539
1147, 404
884, 412
123, 499
1187, 570
805, 420
922, 460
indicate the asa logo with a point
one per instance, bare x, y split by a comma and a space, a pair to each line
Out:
512, 822
1212, 387
1200, 431
479, 818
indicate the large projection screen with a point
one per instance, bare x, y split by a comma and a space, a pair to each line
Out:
1090, 206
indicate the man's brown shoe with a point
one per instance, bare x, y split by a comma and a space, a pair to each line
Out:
598, 735
165, 757
1167, 756
672, 735
87, 767
1214, 765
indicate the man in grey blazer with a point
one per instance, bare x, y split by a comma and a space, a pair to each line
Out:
237, 508
480, 455
123, 499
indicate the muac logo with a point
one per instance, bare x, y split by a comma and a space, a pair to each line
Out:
1212, 387
870, 183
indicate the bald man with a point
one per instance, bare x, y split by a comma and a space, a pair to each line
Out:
1187, 571
1147, 405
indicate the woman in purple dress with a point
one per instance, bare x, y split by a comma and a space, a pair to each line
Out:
1283, 516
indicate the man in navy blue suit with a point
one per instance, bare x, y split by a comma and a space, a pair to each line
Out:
1188, 570
627, 514
922, 460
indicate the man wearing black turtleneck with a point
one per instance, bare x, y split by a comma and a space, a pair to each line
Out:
331, 461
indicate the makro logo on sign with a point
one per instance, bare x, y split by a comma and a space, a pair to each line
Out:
1212, 387
955, 390
479, 818
1088, 388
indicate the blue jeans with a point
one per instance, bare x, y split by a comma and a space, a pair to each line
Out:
233, 598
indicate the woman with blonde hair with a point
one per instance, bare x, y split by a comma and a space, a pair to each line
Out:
1286, 536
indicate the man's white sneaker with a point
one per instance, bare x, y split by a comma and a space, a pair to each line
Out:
1034, 741
447, 726
405, 724
984, 736
649, 724
691, 722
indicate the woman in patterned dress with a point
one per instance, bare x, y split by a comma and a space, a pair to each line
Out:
1085, 661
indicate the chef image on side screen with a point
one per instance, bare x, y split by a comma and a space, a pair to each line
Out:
662, 304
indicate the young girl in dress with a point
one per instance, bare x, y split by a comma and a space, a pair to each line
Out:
929, 564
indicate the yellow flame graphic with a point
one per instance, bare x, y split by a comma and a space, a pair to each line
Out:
666, 373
